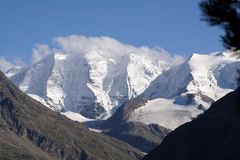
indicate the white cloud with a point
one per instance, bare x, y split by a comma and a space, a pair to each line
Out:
5, 65
19, 62
103, 45
178, 59
84, 45
39, 52
109, 47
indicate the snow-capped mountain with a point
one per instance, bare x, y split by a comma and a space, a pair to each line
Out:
95, 76
181, 93
92, 82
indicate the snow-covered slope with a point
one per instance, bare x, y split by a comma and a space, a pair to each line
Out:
181, 93
92, 81
165, 113
211, 75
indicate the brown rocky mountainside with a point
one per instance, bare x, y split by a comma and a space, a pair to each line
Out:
29, 130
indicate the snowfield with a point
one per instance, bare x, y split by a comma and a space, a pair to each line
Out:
165, 113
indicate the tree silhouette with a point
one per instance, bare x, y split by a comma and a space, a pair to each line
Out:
226, 14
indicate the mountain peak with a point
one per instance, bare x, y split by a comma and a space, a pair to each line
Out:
93, 84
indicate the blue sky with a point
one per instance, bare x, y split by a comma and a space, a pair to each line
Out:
173, 25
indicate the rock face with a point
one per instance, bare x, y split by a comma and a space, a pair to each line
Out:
122, 114
143, 137
215, 135
29, 130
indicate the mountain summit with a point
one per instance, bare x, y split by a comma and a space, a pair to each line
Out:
91, 84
